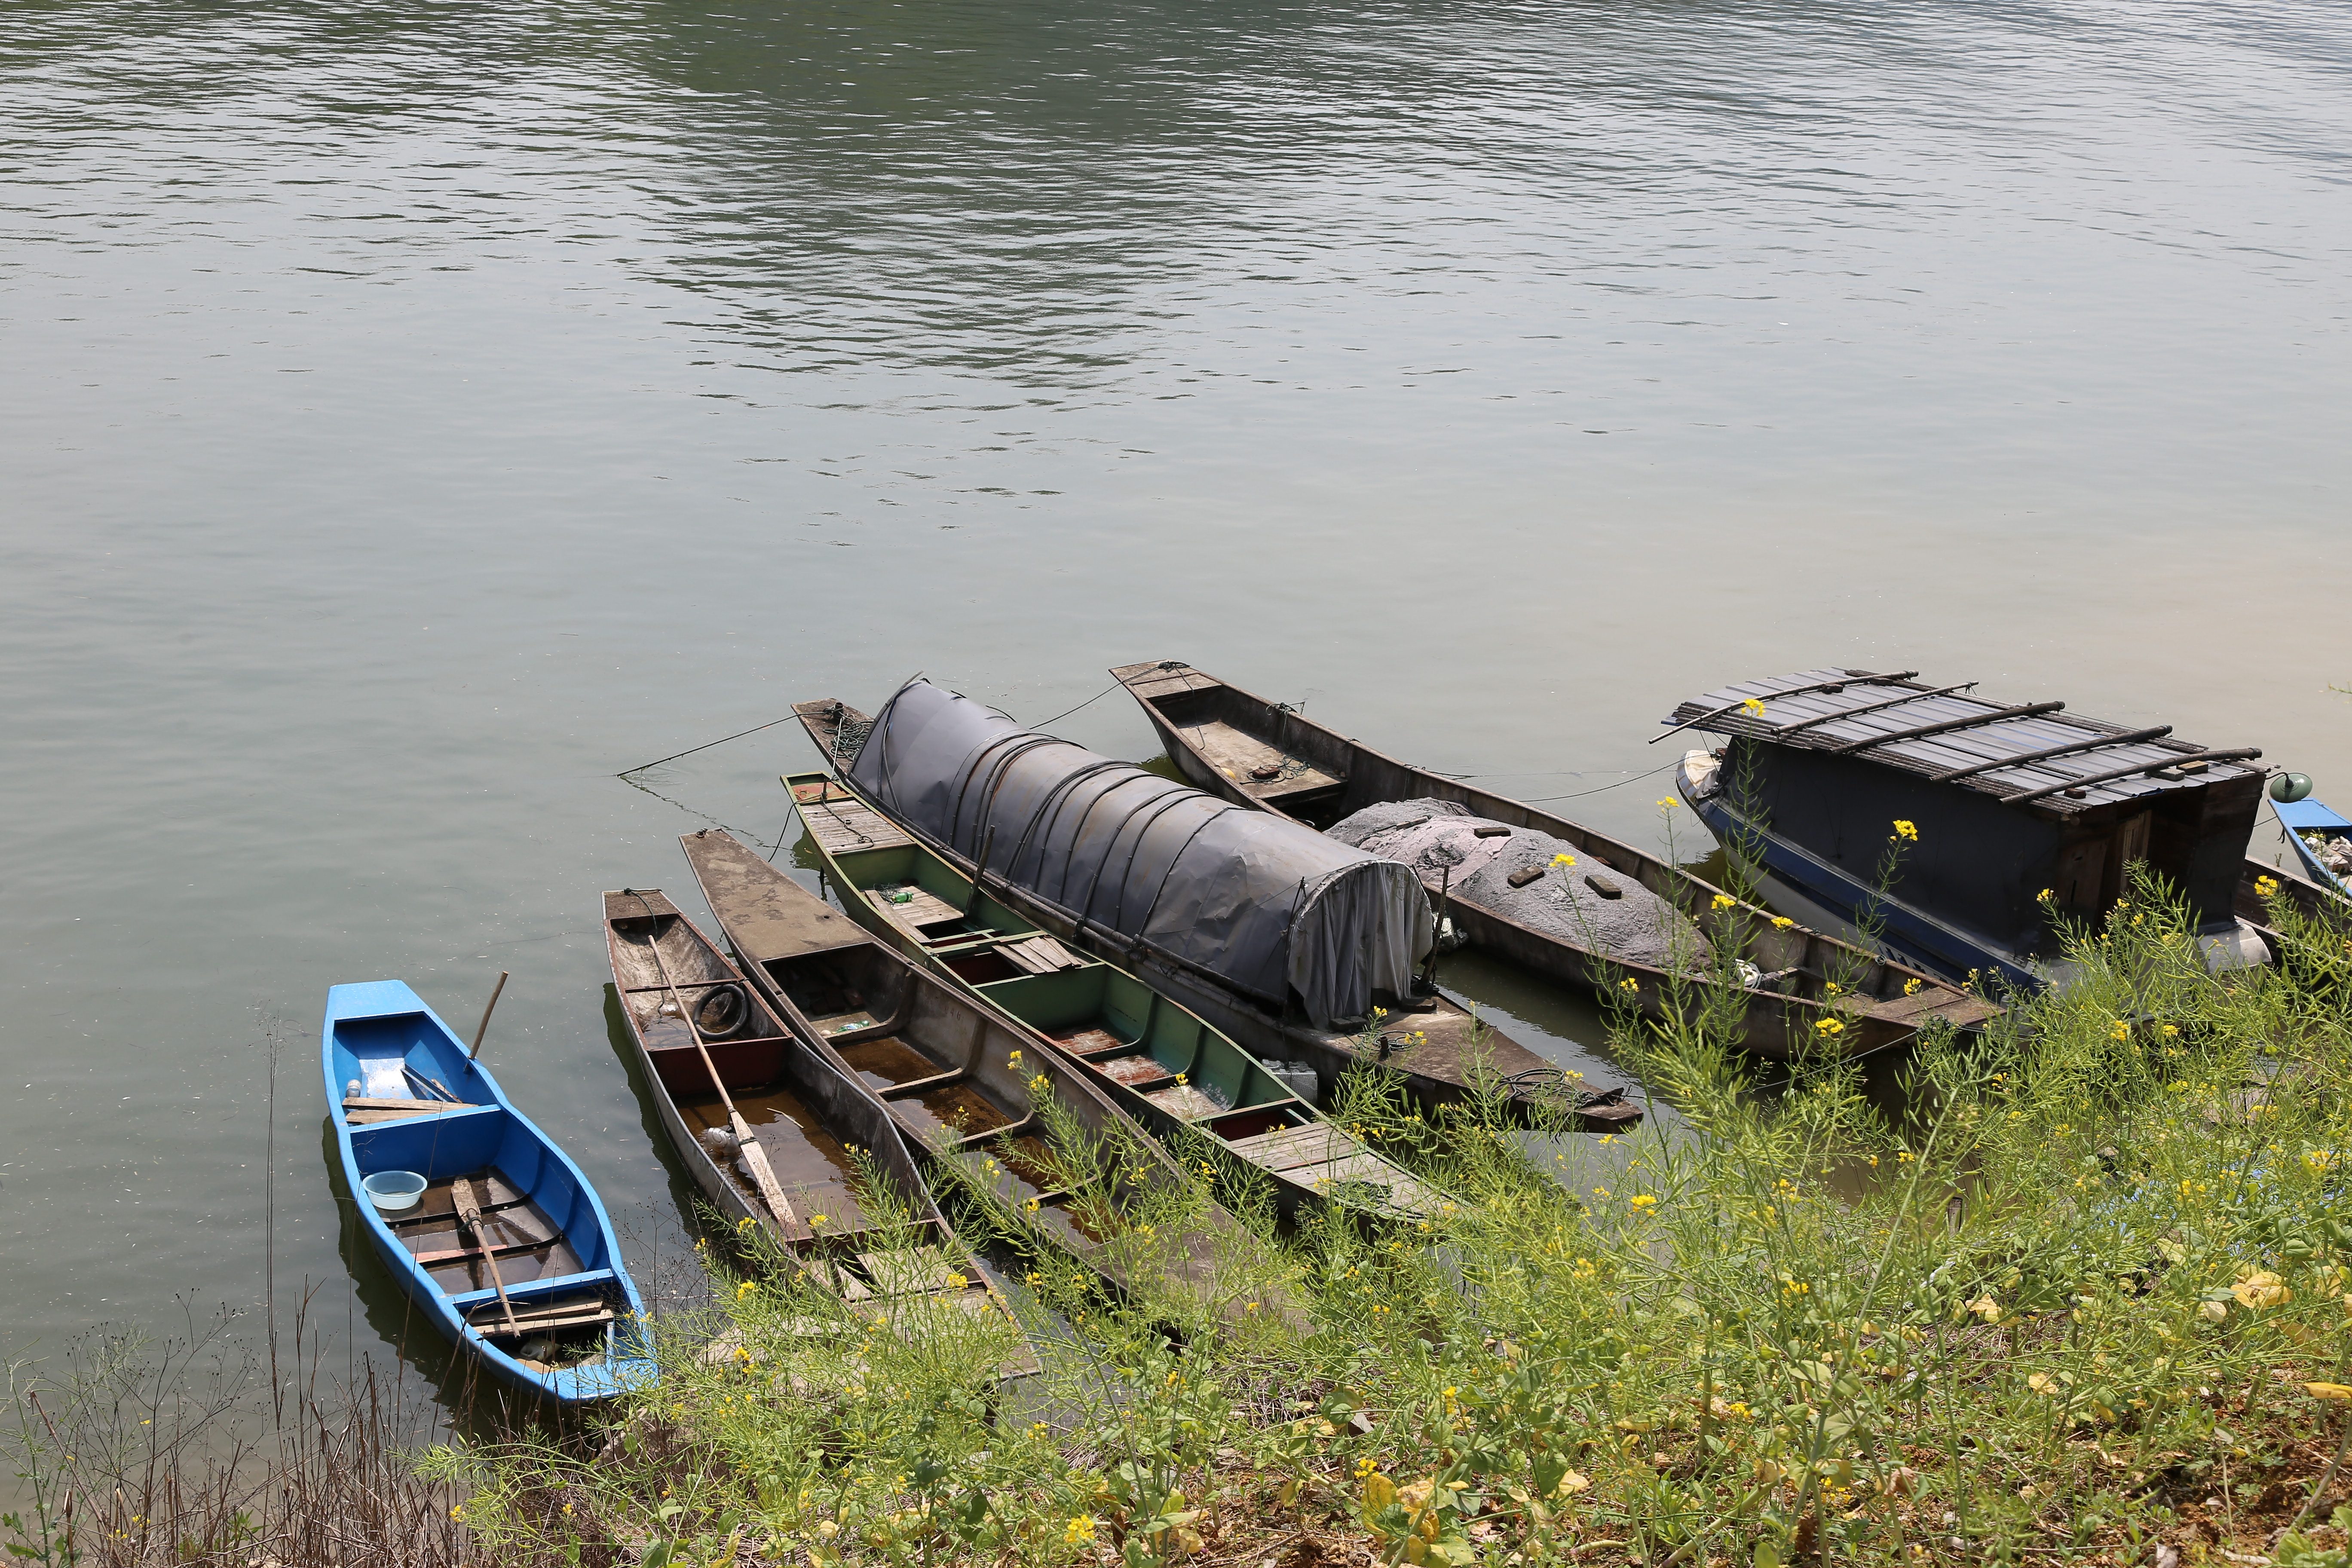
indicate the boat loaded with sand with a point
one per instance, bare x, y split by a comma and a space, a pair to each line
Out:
964, 1082
1167, 1068
766, 1124
2027, 817
485, 1223
1615, 914
1293, 945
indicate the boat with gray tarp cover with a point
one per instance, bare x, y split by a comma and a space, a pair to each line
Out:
1288, 940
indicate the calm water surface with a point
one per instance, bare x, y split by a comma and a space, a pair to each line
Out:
411, 415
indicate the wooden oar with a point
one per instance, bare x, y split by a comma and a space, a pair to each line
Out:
755, 1159
469, 1214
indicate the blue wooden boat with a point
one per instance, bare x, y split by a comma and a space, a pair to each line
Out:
2307, 819
506, 1249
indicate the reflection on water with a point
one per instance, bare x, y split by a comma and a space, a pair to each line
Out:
416, 416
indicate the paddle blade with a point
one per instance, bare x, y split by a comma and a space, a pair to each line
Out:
763, 1176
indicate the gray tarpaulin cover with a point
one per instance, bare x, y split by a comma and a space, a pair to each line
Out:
1263, 902
1627, 921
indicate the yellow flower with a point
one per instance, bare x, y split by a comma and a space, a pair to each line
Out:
1564, 860
2260, 1288
2044, 896
2266, 886
1911, 987
1987, 1309
1668, 804
1014, 1061
1725, 900
745, 1223
816, 1219
1182, 1079
1755, 706
1079, 1532
1830, 1026
1643, 1201
1630, 984
1781, 922
2120, 1029
1906, 829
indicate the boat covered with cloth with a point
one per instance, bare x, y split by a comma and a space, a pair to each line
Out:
1268, 907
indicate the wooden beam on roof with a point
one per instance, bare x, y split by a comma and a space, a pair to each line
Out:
1872, 708
2091, 743
2022, 710
2234, 754
1851, 678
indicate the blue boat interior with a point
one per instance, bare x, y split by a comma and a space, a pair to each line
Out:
412, 1102
2308, 821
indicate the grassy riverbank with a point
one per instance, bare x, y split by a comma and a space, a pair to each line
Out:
2074, 1303
2083, 1300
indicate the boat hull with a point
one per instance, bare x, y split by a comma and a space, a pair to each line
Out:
377, 1035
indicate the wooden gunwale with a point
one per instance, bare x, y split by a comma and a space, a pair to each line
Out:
1773, 1025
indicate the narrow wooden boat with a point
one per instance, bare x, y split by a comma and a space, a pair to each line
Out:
960, 1079
508, 1249
1162, 1063
804, 1111
1259, 754
1438, 1048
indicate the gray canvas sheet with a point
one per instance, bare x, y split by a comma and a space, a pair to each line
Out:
1263, 903
1636, 926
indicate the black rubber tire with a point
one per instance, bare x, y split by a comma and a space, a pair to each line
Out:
733, 1011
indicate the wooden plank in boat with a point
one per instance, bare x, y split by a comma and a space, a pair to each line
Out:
1185, 1101
1152, 680
372, 1116
765, 914
1403, 1192
922, 1270
920, 909
842, 825
404, 1106
1238, 755
1088, 1041
1287, 1148
1040, 955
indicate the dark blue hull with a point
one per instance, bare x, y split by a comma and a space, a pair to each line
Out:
1858, 913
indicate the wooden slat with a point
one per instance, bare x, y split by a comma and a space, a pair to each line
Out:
424, 1108
1287, 1147
843, 824
406, 1106
920, 910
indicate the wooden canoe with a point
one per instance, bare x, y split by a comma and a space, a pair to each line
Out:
807, 1113
1223, 739
1162, 1064
531, 1281
1438, 1048
960, 1079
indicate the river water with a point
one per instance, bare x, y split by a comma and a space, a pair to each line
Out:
410, 416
